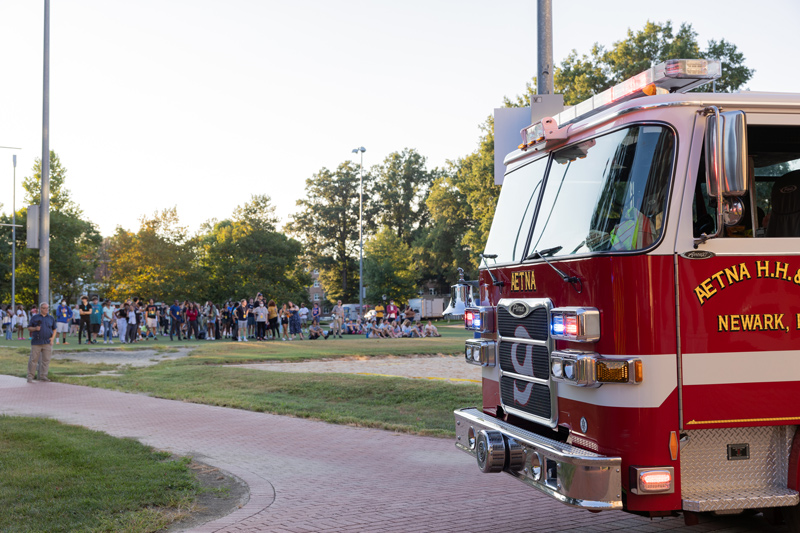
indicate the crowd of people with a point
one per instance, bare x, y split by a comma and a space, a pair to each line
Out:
255, 319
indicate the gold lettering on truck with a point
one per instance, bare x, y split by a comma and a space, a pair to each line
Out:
523, 281
765, 322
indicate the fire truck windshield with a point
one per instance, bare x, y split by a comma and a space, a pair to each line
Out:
605, 194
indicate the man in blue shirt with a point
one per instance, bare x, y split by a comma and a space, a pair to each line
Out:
176, 319
63, 316
96, 319
42, 328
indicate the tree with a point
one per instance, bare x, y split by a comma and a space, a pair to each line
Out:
388, 268
401, 187
158, 261
73, 242
60, 196
578, 78
246, 254
328, 227
439, 250
462, 203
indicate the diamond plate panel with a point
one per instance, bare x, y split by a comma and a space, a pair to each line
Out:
709, 481
741, 499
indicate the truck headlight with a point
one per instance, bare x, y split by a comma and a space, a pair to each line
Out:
577, 324
480, 352
588, 369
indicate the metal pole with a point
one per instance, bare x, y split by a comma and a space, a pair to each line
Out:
44, 210
361, 237
544, 48
14, 236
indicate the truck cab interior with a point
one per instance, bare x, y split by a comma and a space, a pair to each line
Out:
774, 192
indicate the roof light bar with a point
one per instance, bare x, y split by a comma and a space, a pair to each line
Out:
671, 76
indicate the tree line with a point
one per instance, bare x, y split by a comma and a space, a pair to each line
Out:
420, 224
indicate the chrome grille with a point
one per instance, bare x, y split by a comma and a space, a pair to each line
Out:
532, 398
524, 348
526, 359
534, 326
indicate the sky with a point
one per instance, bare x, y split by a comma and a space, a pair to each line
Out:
200, 104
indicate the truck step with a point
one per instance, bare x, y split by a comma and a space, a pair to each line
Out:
753, 498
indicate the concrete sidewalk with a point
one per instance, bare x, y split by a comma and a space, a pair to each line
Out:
312, 476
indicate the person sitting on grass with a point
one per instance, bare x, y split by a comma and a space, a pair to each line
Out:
315, 331
409, 330
431, 331
397, 329
388, 329
420, 329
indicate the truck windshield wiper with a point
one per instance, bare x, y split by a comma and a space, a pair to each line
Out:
544, 253
573, 280
494, 280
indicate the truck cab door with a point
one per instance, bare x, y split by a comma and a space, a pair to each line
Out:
738, 295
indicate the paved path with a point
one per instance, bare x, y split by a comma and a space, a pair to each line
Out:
311, 476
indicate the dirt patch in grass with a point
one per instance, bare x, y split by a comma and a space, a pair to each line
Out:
221, 494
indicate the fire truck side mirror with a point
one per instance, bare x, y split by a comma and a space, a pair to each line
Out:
726, 154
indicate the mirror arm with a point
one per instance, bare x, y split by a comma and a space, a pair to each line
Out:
718, 171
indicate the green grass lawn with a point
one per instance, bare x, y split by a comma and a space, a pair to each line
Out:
227, 352
61, 478
14, 362
397, 404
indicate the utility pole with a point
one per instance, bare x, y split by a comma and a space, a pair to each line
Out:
544, 47
14, 239
360, 232
13, 228
44, 210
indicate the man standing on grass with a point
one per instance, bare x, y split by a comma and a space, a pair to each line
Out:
152, 319
96, 318
338, 319
85, 310
176, 319
391, 312
303, 316
43, 334
63, 316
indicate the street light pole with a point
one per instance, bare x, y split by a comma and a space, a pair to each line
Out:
44, 209
13, 227
360, 232
14, 237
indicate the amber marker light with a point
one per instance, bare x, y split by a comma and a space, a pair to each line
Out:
673, 445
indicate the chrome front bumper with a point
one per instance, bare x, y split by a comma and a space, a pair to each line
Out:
571, 475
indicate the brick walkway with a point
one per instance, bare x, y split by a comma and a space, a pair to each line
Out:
311, 476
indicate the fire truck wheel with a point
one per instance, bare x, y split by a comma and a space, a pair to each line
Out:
792, 517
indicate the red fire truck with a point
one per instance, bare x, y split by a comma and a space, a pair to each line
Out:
637, 316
